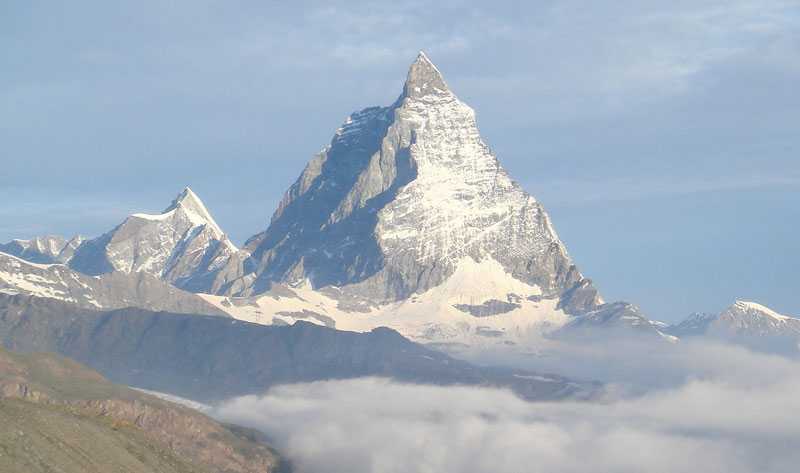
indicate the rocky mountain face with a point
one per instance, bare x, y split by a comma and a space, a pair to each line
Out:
744, 322
213, 358
183, 246
60, 416
401, 197
44, 249
107, 291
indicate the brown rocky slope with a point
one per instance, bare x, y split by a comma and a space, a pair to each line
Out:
56, 415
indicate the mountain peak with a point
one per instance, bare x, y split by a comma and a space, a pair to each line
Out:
187, 198
424, 78
403, 198
183, 245
190, 203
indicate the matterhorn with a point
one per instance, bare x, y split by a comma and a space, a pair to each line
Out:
407, 219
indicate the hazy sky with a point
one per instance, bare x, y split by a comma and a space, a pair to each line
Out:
662, 136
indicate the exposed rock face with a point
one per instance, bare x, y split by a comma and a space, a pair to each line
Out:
68, 251
401, 196
488, 308
107, 291
44, 249
183, 246
113, 427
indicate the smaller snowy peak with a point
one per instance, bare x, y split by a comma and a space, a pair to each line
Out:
742, 321
747, 306
189, 202
424, 78
183, 246
758, 327
190, 205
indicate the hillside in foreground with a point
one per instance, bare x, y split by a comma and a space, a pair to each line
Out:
57, 415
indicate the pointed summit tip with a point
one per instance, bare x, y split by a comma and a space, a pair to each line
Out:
186, 192
421, 56
188, 199
424, 78
187, 196
191, 204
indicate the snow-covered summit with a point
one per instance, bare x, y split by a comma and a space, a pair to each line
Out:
753, 319
742, 319
752, 307
190, 205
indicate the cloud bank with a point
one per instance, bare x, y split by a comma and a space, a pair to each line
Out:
735, 413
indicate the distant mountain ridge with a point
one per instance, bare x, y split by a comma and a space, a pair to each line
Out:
44, 249
744, 322
210, 359
107, 291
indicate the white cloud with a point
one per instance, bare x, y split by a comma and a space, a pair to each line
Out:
373, 425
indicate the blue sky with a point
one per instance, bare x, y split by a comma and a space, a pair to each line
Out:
661, 136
